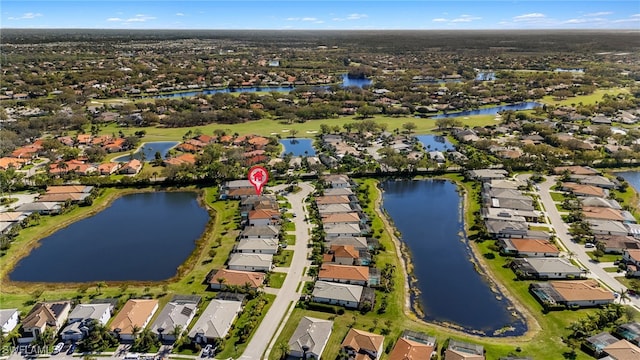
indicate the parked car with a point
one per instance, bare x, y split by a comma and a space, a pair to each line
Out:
207, 350
589, 245
72, 348
57, 348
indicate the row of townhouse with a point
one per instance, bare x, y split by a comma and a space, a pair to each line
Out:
74, 324
509, 212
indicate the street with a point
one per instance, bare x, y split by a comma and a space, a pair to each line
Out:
578, 250
290, 292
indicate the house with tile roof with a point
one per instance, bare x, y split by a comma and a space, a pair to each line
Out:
460, 350
174, 315
346, 274
546, 268
570, 293
43, 315
363, 345
257, 246
132, 167
215, 321
406, 349
337, 294
529, 248
344, 255
250, 262
310, 338
223, 278
135, 313
9, 319
584, 190
622, 350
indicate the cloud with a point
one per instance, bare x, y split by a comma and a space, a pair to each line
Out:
357, 16
309, 19
439, 20
575, 21
179, 14
601, 13
138, 18
465, 18
25, 16
635, 15
529, 17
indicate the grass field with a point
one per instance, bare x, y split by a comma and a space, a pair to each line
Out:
556, 196
270, 127
584, 99
276, 280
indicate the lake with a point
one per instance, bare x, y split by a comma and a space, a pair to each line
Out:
150, 150
428, 214
633, 178
435, 142
143, 237
528, 105
346, 82
486, 76
298, 147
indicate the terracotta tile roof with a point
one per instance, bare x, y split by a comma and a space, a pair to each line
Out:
63, 189
188, 147
263, 214
41, 314
585, 189
359, 339
135, 312
341, 217
344, 272
534, 245
623, 350
406, 349
340, 199
581, 290
345, 251
259, 141
634, 254
181, 159
241, 192
576, 170
238, 278
602, 213
17, 163
108, 168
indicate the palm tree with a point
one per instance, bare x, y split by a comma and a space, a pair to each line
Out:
221, 281
624, 296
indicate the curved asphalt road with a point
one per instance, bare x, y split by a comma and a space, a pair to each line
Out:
562, 232
269, 327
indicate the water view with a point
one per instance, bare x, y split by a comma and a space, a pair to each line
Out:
357, 82
451, 291
633, 178
528, 105
435, 142
486, 76
298, 147
143, 237
147, 151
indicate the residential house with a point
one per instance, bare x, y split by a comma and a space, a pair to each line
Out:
310, 338
360, 344
342, 230
342, 218
486, 175
594, 180
65, 189
528, 248
264, 217
413, 346
358, 242
337, 294
596, 343
109, 168
136, 313
339, 191
42, 316
344, 255
622, 350
546, 268
506, 229
41, 207
9, 320
631, 257
616, 244
257, 246
629, 331
80, 318
250, 262
174, 319
512, 184
334, 199
237, 189
71, 197
578, 293
516, 204
459, 350
593, 201
180, 159
583, 190
346, 274
215, 321
132, 167
575, 170
329, 209
607, 227
602, 213
224, 278
260, 232
337, 181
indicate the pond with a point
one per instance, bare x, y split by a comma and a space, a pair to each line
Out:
428, 214
143, 237
486, 76
633, 178
493, 110
357, 82
298, 147
435, 142
149, 150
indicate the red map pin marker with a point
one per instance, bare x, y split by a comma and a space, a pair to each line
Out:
258, 176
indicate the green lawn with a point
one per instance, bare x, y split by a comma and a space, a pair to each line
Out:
605, 257
585, 99
539, 228
276, 279
270, 127
613, 269
556, 196
290, 238
283, 259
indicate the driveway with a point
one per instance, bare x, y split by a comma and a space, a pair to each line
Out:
562, 232
279, 312
22, 199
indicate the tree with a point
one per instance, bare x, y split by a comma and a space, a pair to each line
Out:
145, 341
409, 126
99, 286
283, 348
293, 132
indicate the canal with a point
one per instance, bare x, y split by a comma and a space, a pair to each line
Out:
428, 214
143, 237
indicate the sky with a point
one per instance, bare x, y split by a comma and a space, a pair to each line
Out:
321, 14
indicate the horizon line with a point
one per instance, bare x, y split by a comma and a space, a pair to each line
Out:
320, 30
